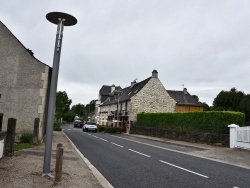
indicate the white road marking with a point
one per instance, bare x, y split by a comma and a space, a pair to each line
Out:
95, 136
103, 139
183, 169
69, 129
139, 153
148, 144
117, 144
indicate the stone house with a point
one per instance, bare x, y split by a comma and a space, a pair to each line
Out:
148, 95
104, 94
24, 85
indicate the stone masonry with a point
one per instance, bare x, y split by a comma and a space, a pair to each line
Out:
151, 98
24, 82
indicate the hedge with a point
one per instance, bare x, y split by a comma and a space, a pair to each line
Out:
108, 129
208, 121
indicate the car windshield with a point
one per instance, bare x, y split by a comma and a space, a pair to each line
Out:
91, 123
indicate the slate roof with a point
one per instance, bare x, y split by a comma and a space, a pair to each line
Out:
127, 93
183, 99
179, 96
105, 91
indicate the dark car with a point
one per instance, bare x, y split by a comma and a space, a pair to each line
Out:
78, 123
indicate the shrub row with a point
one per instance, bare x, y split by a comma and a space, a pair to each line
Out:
208, 121
57, 126
108, 129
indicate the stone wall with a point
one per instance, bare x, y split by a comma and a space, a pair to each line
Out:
204, 138
151, 98
23, 84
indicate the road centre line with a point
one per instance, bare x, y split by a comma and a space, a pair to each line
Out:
117, 144
103, 139
150, 144
95, 136
184, 169
139, 153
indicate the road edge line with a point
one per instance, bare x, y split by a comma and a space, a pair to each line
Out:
103, 181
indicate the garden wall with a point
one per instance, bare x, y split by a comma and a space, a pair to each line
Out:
188, 136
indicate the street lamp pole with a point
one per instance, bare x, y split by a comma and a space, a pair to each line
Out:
61, 19
117, 125
118, 94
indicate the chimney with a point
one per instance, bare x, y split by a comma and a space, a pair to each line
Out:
154, 74
112, 88
185, 90
133, 83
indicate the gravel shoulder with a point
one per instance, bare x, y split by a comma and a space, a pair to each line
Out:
25, 168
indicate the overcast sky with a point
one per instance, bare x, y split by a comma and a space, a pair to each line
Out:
203, 44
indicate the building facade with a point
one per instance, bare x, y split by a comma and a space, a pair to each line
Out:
149, 95
24, 84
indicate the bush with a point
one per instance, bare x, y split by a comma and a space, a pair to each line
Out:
57, 126
26, 138
100, 128
208, 121
108, 129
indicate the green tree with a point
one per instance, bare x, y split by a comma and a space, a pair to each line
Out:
228, 100
205, 105
245, 107
78, 109
69, 116
62, 104
89, 108
196, 97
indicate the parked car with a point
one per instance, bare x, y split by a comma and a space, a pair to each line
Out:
89, 126
78, 123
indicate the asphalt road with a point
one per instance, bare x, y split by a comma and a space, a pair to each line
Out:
126, 162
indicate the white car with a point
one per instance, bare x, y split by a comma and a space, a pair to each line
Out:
89, 126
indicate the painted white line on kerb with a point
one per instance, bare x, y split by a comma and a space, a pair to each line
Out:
117, 144
103, 139
183, 169
139, 153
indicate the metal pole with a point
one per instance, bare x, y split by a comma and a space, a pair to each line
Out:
117, 125
52, 99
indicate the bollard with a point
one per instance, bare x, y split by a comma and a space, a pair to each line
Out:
1, 121
59, 162
36, 131
10, 138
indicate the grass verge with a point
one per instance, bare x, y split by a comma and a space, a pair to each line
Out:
20, 146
